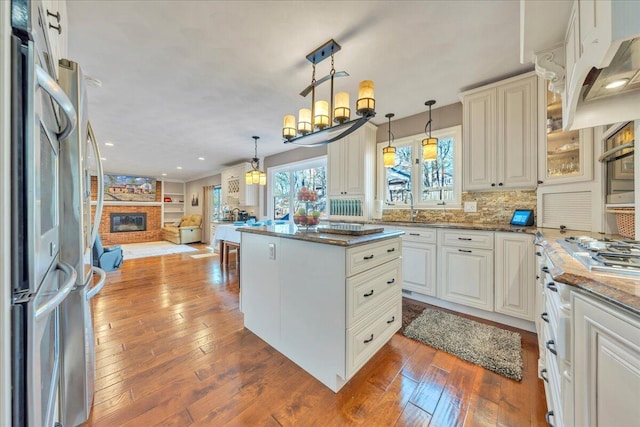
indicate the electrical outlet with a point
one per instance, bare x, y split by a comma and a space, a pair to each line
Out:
471, 207
272, 251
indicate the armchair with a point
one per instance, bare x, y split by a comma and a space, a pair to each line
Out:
108, 259
189, 230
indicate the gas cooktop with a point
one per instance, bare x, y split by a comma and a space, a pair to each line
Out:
605, 255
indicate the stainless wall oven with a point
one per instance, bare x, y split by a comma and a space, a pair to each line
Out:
619, 145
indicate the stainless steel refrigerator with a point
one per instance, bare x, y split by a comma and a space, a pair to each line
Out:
52, 159
79, 161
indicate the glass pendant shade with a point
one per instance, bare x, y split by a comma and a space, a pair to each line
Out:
389, 156
304, 121
341, 112
366, 99
289, 127
255, 176
247, 178
321, 119
430, 149
263, 178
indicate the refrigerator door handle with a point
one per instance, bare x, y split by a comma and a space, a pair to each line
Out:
46, 82
62, 293
100, 196
98, 286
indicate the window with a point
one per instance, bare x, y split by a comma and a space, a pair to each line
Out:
216, 203
431, 184
287, 180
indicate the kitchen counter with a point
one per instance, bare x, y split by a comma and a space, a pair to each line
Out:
291, 231
623, 291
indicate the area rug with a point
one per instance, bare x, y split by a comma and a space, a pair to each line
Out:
147, 249
495, 349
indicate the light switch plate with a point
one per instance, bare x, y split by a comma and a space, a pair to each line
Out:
471, 207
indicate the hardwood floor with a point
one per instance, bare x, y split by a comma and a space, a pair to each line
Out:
171, 350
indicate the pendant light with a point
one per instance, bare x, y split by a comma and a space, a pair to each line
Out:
330, 120
429, 144
389, 152
255, 175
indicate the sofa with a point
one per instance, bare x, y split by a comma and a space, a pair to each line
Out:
188, 230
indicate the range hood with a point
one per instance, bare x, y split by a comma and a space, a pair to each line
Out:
601, 104
623, 74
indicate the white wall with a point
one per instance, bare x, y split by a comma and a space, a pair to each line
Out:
5, 228
196, 187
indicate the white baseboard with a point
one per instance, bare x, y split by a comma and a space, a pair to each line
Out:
489, 315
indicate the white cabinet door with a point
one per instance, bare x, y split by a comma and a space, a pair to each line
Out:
354, 173
466, 276
517, 134
500, 135
335, 168
419, 267
479, 136
515, 275
607, 364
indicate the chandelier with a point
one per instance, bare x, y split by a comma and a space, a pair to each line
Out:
389, 152
255, 176
329, 121
429, 144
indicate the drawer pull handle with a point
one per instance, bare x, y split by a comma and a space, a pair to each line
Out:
548, 416
465, 251
393, 319
55, 15
545, 269
369, 340
368, 294
543, 375
545, 316
368, 257
56, 27
391, 250
551, 346
552, 287
391, 282
465, 238
414, 234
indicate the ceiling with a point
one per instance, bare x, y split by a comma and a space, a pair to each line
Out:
188, 79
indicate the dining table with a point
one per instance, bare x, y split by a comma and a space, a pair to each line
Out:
226, 233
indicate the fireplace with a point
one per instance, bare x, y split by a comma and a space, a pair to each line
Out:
126, 222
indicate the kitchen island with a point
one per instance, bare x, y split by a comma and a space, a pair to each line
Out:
326, 301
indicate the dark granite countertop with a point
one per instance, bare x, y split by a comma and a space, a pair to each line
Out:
623, 291
290, 231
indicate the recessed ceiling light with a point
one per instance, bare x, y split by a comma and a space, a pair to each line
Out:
109, 144
617, 83
179, 167
164, 174
200, 158
103, 158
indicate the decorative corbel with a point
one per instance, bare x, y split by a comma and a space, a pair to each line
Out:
550, 66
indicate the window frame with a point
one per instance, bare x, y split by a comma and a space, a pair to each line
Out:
415, 141
313, 162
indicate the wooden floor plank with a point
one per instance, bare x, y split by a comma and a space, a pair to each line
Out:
171, 350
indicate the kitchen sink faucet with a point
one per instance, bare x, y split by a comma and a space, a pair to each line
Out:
412, 213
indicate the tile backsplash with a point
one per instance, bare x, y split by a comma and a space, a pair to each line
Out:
493, 207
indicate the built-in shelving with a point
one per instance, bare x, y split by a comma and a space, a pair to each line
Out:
173, 197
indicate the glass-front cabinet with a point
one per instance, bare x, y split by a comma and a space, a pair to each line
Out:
567, 155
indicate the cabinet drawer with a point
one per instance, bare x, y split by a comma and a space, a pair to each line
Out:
371, 289
418, 234
363, 258
368, 336
467, 239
